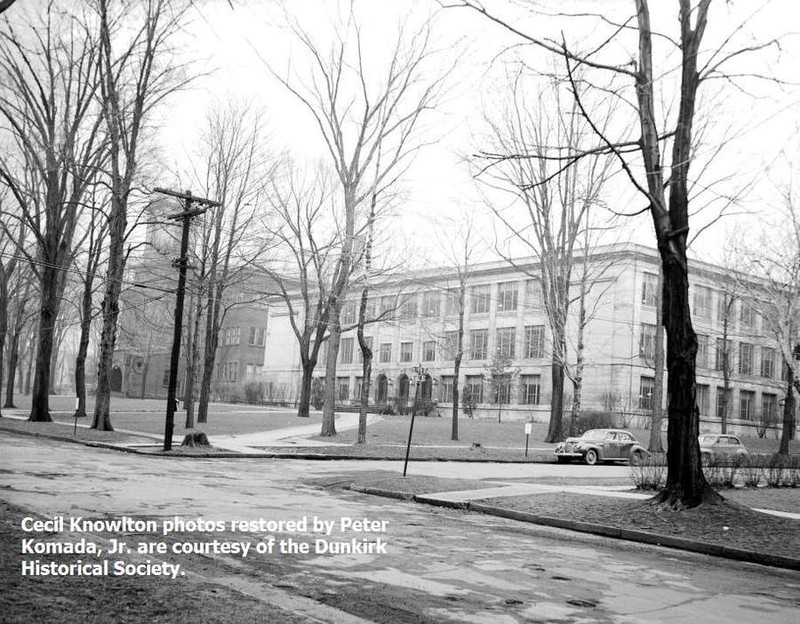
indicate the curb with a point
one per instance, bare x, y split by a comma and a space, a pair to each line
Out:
275, 454
631, 535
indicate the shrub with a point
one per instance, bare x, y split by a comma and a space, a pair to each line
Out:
253, 392
316, 393
387, 410
592, 420
651, 473
752, 470
775, 467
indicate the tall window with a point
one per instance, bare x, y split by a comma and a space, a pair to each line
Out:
703, 399
473, 388
702, 351
342, 388
257, 336
452, 302
406, 351
446, 389
346, 351
408, 309
646, 386
649, 289
506, 338
450, 344
231, 335
721, 403
724, 349
386, 352
647, 342
747, 314
502, 390
478, 344
534, 298
702, 302
747, 400
387, 307
529, 389
480, 298
430, 304
428, 351
534, 342
768, 362
348, 316
507, 296
769, 407
745, 359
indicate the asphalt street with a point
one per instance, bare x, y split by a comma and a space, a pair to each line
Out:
439, 565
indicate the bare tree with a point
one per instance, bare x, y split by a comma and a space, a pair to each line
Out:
236, 169
775, 259
93, 244
48, 108
463, 250
360, 116
306, 238
524, 160
136, 72
666, 193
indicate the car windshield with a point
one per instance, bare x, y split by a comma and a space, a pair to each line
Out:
707, 439
592, 434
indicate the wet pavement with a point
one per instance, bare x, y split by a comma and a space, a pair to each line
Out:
440, 565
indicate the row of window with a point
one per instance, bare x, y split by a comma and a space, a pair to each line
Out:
746, 409
528, 390
739, 357
429, 304
702, 303
477, 347
230, 336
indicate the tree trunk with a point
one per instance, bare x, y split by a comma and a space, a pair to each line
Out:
458, 356
3, 317
13, 360
555, 431
655, 445
366, 385
110, 309
686, 484
213, 322
726, 368
788, 413
329, 392
40, 401
83, 348
577, 383
30, 362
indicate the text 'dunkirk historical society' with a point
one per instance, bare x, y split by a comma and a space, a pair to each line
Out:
129, 546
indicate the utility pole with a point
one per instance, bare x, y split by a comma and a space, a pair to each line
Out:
185, 216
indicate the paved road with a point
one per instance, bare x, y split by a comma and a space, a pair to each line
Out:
440, 565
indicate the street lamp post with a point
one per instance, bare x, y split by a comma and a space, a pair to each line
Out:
420, 372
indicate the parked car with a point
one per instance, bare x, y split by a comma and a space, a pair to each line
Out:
719, 447
597, 445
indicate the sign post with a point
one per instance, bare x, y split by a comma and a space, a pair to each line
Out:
527, 437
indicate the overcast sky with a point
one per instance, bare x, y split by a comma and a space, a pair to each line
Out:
757, 118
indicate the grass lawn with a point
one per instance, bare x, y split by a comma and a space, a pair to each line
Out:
393, 430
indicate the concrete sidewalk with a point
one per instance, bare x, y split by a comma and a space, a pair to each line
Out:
289, 437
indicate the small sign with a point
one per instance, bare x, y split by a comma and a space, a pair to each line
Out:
77, 403
527, 428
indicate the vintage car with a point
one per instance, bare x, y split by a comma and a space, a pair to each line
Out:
597, 445
721, 448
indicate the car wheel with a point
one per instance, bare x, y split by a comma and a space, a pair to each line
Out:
636, 459
591, 457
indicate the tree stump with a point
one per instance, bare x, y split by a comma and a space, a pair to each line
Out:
196, 438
